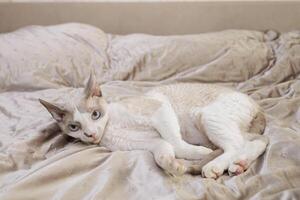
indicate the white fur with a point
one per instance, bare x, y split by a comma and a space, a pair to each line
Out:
153, 123
166, 123
88, 126
224, 121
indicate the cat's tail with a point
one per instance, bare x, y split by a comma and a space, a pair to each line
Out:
195, 167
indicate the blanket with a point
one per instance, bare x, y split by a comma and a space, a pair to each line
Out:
37, 162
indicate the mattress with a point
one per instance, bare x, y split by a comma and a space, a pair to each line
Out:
50, 62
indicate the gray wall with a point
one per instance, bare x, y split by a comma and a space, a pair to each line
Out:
159, 18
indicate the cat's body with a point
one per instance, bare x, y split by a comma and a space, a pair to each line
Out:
136, 112
168, 120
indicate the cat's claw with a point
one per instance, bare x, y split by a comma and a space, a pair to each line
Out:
212, 170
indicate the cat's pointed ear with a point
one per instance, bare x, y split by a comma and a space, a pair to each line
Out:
56, 112
92, 87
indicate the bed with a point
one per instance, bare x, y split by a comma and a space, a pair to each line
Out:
49, 61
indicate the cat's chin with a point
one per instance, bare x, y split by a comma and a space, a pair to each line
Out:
97, 141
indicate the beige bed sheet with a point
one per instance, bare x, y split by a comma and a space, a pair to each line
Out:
52, 62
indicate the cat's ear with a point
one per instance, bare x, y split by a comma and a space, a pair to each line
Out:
92, 87
57, 113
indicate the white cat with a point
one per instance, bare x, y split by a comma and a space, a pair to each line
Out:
174, 121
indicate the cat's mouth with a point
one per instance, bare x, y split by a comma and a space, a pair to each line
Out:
97, 140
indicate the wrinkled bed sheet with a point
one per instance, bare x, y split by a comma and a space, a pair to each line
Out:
50, 62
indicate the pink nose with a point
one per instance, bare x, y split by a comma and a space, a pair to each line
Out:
93, 135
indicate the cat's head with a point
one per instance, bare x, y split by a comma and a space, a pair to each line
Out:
87, 118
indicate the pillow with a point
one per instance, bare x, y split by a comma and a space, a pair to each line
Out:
225, 56
38, 57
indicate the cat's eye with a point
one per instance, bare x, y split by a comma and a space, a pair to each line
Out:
96, 115
73, 127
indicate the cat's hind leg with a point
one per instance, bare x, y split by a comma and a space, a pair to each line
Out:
227, 138
254, 147
222, 122
165, 121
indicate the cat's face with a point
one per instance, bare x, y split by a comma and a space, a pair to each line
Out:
85, 120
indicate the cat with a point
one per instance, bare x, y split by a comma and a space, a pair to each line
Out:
173, 122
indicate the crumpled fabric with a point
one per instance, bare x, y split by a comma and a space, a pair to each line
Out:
37, 162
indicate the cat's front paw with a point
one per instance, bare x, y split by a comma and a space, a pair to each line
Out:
213, 170
171, 165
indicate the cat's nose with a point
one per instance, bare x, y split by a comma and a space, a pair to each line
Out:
93, 135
